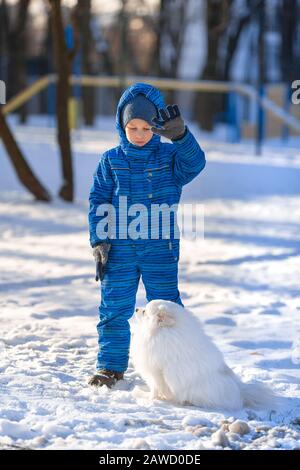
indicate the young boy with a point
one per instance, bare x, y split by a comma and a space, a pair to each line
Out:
141, 172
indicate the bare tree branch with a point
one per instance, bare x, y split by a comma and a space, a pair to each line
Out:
23, 170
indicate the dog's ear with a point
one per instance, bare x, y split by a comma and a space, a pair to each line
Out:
164, 318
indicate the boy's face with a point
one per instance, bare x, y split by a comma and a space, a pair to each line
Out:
138, 132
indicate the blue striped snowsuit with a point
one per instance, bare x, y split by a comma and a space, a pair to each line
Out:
154, 173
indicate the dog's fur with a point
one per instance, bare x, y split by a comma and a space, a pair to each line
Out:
180, 363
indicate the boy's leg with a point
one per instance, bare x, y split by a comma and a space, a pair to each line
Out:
159, 269
118, 296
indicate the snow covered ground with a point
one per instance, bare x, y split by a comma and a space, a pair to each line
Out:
242, 281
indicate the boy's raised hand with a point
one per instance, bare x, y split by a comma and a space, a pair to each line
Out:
171, 123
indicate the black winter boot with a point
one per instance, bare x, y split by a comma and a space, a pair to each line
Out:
105, 377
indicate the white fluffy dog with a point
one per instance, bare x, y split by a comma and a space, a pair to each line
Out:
180, 363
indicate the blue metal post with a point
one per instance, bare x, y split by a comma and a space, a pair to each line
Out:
260, 120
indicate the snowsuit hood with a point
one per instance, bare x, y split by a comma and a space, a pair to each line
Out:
155, 96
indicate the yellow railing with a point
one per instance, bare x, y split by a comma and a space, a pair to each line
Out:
25, 95
162, 83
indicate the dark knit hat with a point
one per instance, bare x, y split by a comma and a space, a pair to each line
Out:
138, 108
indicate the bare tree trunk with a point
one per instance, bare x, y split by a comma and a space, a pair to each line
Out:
63, 63
83, 19
233, 42
23, 170
16, 50
172, 23
4, 32
123, 49
288, 34
160, 29
209, 104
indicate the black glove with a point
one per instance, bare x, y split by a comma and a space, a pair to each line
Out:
171, 123
100, 253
